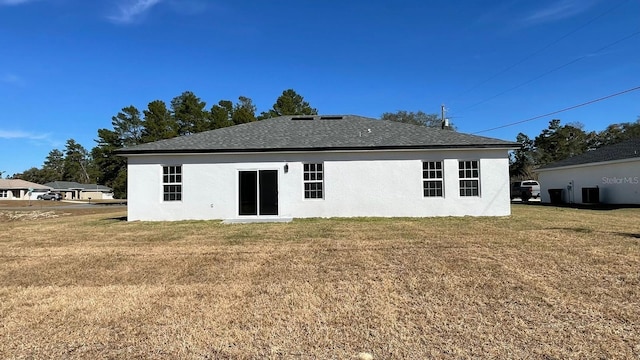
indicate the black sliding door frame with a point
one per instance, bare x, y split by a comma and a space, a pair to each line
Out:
258, 192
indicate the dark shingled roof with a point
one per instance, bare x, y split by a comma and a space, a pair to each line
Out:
69, 185
316, 133
625, 150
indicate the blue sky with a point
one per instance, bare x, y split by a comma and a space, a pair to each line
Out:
68, 66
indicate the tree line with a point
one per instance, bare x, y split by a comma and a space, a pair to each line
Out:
558, 142
186, 114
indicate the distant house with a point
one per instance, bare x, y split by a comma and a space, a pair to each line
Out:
16, 189
71, 190
608, 175
318, 166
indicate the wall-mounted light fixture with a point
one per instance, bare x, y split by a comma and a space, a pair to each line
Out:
286, 168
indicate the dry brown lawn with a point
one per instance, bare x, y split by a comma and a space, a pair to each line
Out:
545, 283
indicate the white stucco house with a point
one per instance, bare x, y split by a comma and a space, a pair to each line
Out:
609, 175
318, 166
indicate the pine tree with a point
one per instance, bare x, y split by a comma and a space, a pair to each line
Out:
289, 103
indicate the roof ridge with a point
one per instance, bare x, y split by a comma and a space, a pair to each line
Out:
286, 133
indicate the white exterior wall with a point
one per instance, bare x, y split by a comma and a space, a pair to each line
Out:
381, 184
96, 195
618, 181
7, 194
21, 194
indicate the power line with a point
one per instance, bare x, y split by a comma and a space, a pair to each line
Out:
541, 49
562, 110
554, 70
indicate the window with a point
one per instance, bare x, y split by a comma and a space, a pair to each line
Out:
172, 183
313, 179
432, 178
4, 194
469, 175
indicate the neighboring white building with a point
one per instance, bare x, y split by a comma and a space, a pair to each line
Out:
72, 190
609, 175
16, 189
318, 166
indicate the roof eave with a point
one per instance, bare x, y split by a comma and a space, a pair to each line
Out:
124, 152
588, 164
